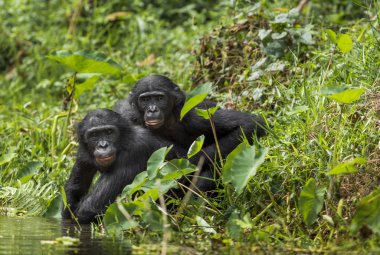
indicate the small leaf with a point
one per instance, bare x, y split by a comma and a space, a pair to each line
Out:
156, 161
348, 96
310, 202
344, 43
368, 213
86, 61
204, 225
208, 113
7, 158
196, 146
241, 164
331, 35
195, 97
347, 167
87, 85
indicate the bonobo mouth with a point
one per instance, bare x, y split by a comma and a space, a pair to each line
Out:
153, 123
105, 161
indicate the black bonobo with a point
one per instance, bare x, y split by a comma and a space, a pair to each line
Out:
118, 150
156, 102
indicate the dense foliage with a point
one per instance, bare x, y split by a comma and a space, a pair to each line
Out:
311, 71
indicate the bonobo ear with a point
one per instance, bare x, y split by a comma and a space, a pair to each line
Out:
179, 100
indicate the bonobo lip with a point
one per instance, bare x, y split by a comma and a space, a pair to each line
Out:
105, 161
153, 123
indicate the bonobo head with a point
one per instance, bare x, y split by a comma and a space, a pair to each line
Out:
158, 100
100, 131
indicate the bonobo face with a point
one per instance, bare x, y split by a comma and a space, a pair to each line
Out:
102, 141
154, 104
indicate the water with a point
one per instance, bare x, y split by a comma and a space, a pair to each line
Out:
37, 235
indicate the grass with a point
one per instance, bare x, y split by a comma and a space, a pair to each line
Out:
313, 133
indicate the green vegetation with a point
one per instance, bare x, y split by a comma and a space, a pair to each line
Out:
313, 75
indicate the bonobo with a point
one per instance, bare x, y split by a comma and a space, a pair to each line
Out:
156, 102
118, 150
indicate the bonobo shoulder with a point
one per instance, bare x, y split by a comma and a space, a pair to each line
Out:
128, 111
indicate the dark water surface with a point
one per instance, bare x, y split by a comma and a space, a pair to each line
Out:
37, 235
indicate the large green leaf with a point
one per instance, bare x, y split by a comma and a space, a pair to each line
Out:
136, 185
30, 168
347, 167
344, 43
54, 208
86, 61
348, 96
116, 221
195, 97
241, 164
310, 202
343, 94
86, 85
196, 146
156, 161
368, 213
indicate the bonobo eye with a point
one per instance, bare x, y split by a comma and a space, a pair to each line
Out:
160, 98
109, 131
144, 99
92, 134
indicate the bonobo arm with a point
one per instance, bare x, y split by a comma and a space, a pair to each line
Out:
229, 126
108, 187
78, 183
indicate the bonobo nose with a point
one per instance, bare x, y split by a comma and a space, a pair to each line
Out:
103, 144
152, 108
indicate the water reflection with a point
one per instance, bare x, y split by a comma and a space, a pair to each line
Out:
36, 235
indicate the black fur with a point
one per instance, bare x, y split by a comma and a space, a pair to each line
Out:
134, 145
229, 124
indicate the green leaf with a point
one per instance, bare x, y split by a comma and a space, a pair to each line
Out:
64, 197
136, 185
86, 61
195, 97
368, 213
156, 161
233, 229
30, 169
178, 174
152, 217
54, 208
347, 167
348, 96
201, 89
208, 113
176, 164
344, 43
331, 35
116, 221
310, 202
87, 85
342, 94
7, 158
241, 164
204, 225
196, 146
